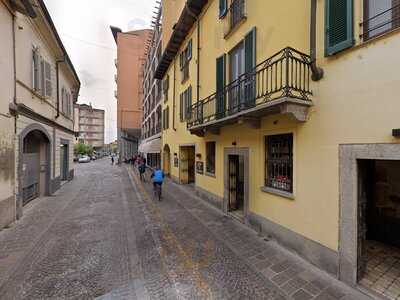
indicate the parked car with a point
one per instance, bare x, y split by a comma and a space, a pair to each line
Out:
84, 159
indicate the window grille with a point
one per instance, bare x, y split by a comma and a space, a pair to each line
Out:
279, 162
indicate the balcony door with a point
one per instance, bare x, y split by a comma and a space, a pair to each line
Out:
236, 70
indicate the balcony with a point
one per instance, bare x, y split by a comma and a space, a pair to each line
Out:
279, 85
116, 94
116, 62
116, 78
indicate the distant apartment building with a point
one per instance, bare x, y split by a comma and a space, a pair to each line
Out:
130, 56
89, 125
38, 86
150, 144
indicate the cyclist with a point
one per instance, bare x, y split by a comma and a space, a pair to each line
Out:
158, 178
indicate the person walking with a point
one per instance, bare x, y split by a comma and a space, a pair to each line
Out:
112, 160
142, 170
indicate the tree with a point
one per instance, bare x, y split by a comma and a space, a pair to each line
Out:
82, 149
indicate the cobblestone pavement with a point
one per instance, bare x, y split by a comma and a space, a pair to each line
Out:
103, 235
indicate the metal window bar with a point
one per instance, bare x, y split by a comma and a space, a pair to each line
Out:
279, 162
394, 21
285, 74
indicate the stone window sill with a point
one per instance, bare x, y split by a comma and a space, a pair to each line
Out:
210, 174
277, 192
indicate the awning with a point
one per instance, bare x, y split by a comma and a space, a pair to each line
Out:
153, 146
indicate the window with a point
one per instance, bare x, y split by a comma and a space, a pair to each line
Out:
166, 118
35, 70
339, 25
380, 17
66, 102
166, 88
41, 75
279, 162
185, 107
237, 10
184, 60
210, 157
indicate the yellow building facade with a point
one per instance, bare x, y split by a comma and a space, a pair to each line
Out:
245, 122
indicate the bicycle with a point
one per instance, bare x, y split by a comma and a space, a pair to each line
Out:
157, 191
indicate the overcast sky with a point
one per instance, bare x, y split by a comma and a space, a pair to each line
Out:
84, 27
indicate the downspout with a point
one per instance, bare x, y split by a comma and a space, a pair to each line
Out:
173, 99
317, 72
198, 60
58, 62
15, 104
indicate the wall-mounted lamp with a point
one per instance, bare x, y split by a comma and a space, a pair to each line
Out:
198, 155
175, 154
234, 143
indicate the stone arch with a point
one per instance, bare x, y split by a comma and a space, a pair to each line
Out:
28, 153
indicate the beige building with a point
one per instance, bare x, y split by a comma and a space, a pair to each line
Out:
130, 56
308, 157
150, 144
38, 87
89, 125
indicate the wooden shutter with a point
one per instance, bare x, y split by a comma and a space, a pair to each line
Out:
339, 25
181, 107
35, 70
220, 103
189, 104
223, 8
249, 65
250, 50
42, 78
189, 51
48, 83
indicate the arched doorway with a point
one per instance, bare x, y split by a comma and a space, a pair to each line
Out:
35, 163
167, 160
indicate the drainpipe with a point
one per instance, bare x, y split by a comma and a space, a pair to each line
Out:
58, 62
173, 99
317, 72
198, 60
14, 105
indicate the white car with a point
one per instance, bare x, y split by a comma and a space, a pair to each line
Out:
84, 159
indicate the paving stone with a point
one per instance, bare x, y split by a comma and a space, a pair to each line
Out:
312, 289
103, 235
302, 295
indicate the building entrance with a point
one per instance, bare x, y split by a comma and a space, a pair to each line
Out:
187, 165
236, 185
379, 226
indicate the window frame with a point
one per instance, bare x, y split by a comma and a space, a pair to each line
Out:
268, 140
366, 32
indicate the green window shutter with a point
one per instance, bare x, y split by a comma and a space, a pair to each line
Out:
189, 104
250, 50
181, 107
338, 26
220, 103
249, 65
223, 8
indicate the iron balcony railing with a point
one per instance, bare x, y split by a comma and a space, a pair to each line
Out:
237, 12
285, 74
384, 21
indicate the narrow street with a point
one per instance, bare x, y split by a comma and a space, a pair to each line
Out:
103, 235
